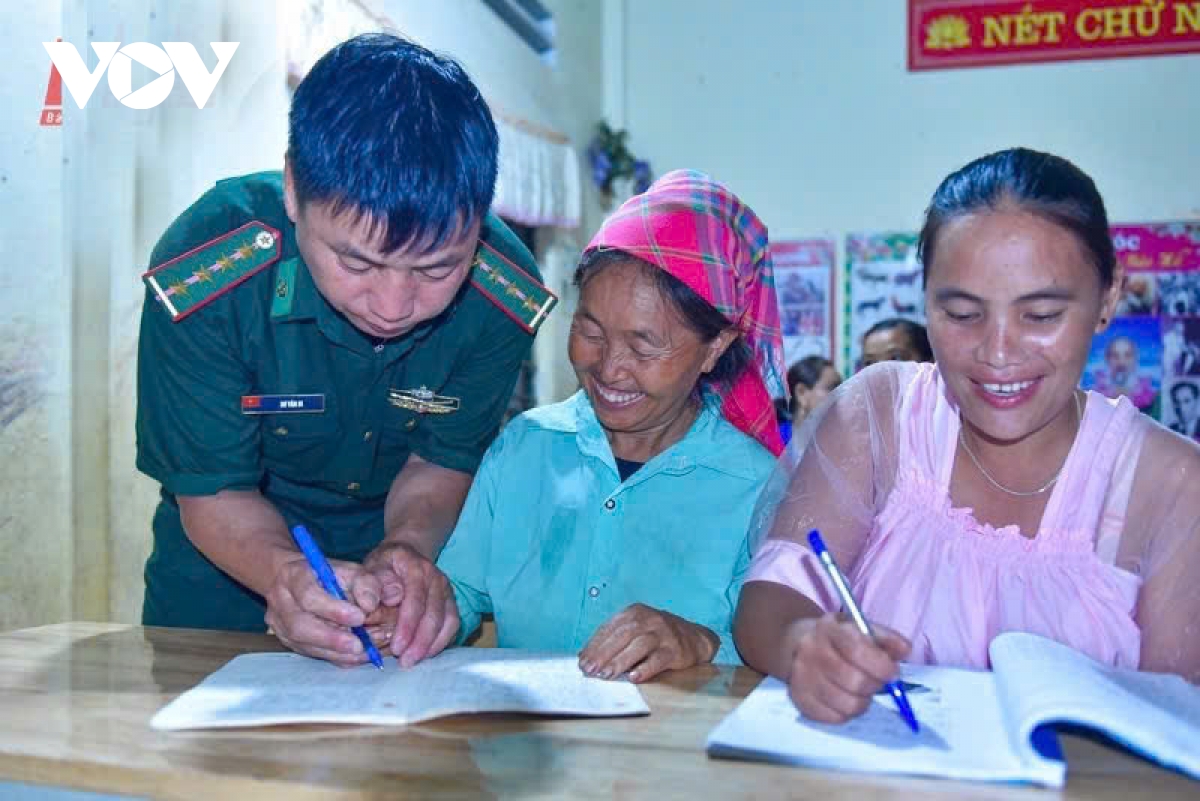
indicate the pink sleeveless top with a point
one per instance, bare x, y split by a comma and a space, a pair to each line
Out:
951, 584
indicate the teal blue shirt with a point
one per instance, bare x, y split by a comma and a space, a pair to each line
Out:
553, 543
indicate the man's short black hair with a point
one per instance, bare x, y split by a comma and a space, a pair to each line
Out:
386, 129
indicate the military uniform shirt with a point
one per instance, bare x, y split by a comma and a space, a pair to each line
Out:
276, 335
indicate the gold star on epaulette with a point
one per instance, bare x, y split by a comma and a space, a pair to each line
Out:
179, 288
245, 251
203, 274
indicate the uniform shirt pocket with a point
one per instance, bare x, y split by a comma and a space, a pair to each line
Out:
301, 446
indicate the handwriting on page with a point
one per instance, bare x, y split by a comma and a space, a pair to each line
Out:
880, 725
267, 689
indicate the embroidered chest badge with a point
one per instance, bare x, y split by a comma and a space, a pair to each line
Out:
423, 400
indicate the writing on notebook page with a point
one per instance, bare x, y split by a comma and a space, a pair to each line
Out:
881, 726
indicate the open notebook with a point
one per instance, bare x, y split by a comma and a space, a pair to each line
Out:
993, 726
275, 688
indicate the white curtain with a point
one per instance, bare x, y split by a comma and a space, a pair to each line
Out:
539, 176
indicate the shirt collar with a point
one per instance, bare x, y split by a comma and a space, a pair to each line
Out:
701, 446
308, 304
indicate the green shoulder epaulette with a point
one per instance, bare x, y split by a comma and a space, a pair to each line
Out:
203, 274
514, 291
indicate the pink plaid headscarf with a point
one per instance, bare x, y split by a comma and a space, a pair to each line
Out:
698, 231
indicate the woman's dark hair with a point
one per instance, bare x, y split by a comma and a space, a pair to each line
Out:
1042, 184
915, 332
696, 312
807, 371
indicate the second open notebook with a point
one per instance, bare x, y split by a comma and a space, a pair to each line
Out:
276, 688
996, 726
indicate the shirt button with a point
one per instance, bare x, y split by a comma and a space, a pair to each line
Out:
352, 486
410, 425
593, 591
366, 436
281, 431
610, 504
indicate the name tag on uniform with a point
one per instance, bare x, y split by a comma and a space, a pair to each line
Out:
277, 404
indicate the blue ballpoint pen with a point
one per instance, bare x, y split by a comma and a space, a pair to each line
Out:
329, 581
851, 606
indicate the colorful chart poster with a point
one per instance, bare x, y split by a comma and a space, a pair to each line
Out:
1151, 352
883, 280
804, 270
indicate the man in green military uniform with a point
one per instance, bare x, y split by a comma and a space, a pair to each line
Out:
333, 346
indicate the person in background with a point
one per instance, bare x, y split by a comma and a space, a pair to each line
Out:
984, 493
896, 340
811, 380
613, 524
333, 345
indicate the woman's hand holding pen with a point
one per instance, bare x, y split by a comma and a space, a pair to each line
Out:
836, 669
310, 621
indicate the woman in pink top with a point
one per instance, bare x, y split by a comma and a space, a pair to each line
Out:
984, 493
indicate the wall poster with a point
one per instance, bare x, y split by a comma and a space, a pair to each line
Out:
883, 280
804, 285
1151, 352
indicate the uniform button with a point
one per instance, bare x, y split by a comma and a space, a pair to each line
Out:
352, 486
610, 504
281, 431
410, 425
366, 436
593, 591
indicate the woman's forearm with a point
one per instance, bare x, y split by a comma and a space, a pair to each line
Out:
766, 610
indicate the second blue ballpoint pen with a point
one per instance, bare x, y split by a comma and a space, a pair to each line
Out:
328, 579
851, 607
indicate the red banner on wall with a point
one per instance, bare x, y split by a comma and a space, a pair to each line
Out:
944, 34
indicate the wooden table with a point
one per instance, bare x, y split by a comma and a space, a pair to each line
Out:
76, 698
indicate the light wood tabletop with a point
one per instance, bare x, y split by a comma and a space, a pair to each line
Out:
76, 700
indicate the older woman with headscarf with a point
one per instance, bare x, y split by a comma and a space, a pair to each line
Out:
613, 524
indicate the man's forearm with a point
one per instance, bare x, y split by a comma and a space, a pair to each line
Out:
242, 533
423, 505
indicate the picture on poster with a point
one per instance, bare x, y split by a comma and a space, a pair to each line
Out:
1139, 296
804, 288
1181, 346
1126, 360
883, 281
1182, 414
1161, 262
1179, 293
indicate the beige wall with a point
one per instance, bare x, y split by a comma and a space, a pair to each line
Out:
83, 206
807, 110
807, 107
36, 551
